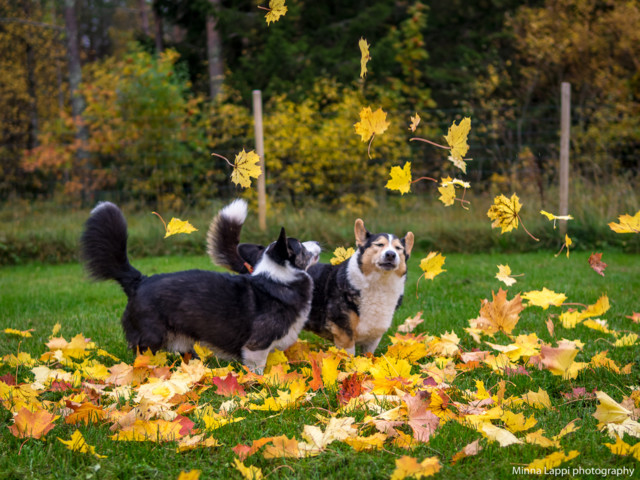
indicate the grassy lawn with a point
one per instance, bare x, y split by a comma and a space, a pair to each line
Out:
37, 297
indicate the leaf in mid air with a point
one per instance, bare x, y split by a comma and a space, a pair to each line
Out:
400, 179
543, 298
246, 166
364, 56
179, 226
341, 254
504, 275
553, 217
371, 123
432, 264
504, 212
447, 192
277, 9
628, 224
595, 262
456, 137
415, 121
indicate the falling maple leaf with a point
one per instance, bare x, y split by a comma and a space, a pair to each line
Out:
364, 56
77, 443
567, 243
371, 124
628, 224
447, 192
409, 467
504, 275
596, 263
400, 179
176, 226
411, 323
415, 121
28, 424
456, 138
543, 298
432, 264
276, 9
341, 254
499, 314
553, 217
504, 212
246, 165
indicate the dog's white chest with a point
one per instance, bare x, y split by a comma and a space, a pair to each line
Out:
379, 295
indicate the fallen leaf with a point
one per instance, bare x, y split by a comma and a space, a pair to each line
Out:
500, 435
468, 451
248, 473
28, 424
77, 443
551, 461
499, 315
409, 467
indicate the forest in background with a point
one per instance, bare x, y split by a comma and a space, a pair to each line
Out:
129, 98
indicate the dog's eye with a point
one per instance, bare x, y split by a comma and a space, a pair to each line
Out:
379, 244
399, 249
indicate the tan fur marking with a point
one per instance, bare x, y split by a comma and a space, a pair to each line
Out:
408, 242
341, 338
360, 232
402, 266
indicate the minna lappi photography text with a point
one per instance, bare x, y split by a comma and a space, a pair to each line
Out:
576, 472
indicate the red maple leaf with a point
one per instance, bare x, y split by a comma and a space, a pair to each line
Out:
351, 387
595, 261
228, 386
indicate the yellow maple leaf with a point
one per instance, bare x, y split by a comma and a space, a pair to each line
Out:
610, 411
248, 473
246, 165
559, 360
277, 9
470, 450
504, 212
447, 192
179, 226
497, 434
628, 224
21, 333
566, 430
456, 137
539, 399
409, 467
553, 217
400, 179
504, 275
628, 340
365, 444
371, 123
415, 121
77, 443
516, 422
364, 56
188, 443
337, 429
432, 264
538, 438
543, 298
190, 475
341, 254
28, 424
551, 461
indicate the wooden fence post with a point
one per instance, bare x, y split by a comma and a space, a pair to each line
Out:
565, 127
262, 195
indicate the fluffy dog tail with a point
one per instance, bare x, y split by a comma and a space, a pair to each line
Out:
223, 237
104, 248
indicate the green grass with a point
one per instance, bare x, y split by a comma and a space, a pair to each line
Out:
38, 296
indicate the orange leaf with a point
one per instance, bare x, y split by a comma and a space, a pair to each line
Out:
500, 314
29, 424
409, 467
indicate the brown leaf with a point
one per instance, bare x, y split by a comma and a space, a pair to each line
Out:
421, 420
595, 262
500, 314
351, 387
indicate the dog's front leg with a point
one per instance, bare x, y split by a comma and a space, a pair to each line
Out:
256, 360
370, 347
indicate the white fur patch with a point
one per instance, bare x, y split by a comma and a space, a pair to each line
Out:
314, 249
379, 294
280, 273
101, 205
178, 342
256, 360
236, 211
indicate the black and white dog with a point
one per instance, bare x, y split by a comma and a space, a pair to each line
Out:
353, 302
240, 317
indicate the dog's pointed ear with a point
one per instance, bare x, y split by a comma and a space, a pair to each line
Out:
408, 242
361, 233
281, 247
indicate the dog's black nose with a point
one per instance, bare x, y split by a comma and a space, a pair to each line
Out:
389, 255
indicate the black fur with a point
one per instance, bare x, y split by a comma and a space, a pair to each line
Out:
233, 314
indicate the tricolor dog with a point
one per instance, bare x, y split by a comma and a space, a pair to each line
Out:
240, 317
353, 302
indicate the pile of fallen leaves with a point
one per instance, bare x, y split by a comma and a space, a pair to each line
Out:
402, 396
